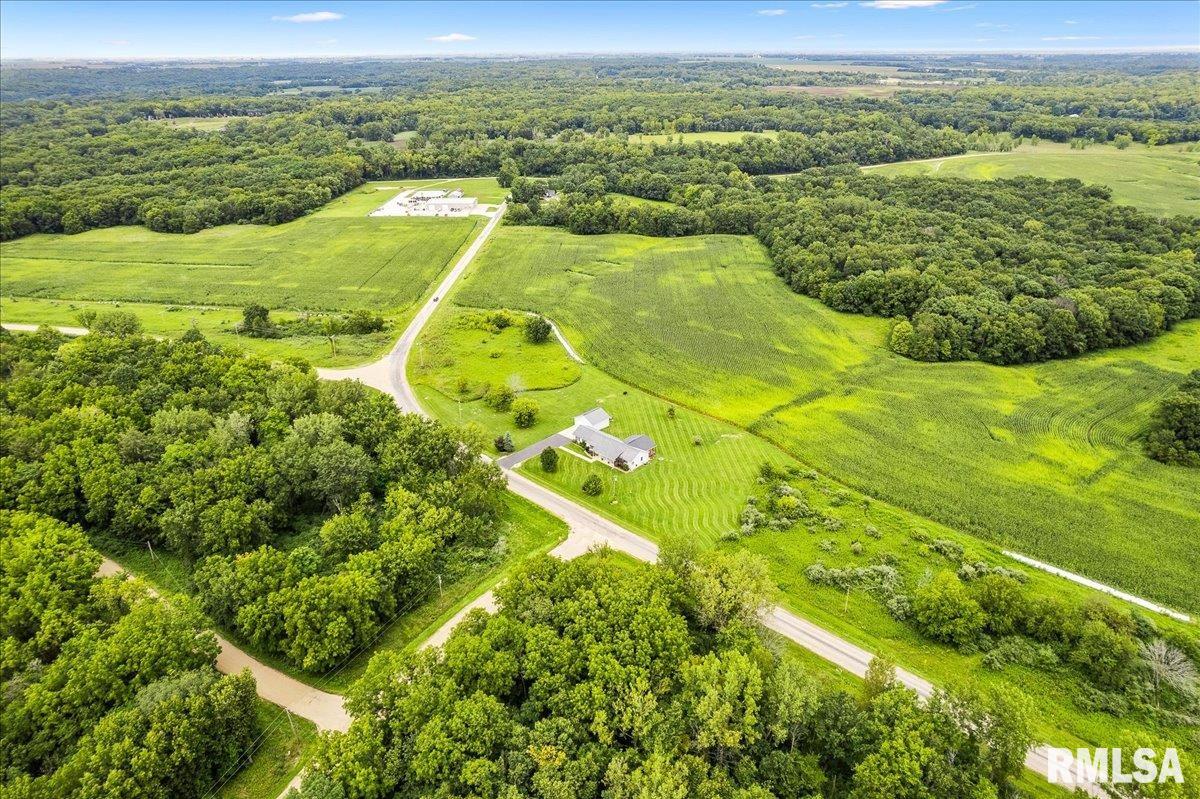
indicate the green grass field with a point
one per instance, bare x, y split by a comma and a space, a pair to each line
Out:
1041, 459
461, 359
198, 123
686, 315
1161, 180
336, 259
217, 325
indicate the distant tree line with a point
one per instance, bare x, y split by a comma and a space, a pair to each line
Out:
71, 165
221, 458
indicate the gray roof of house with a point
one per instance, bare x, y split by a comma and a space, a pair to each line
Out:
605, 446
641, 441
597, 417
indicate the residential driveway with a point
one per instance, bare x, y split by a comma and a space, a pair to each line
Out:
520, 456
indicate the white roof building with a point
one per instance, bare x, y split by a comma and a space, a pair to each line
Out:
635, 451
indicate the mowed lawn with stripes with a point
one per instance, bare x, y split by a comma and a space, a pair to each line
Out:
1044, 459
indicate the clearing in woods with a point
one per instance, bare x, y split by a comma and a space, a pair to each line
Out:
1043, 459
1161, 180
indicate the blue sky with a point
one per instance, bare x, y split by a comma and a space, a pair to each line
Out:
200, 29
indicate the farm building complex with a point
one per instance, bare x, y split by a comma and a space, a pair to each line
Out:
430, 202
627, 454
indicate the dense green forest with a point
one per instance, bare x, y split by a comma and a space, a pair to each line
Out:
598, 679
313, 510
74, 164
107, 690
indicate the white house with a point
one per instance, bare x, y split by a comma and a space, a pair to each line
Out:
628, 454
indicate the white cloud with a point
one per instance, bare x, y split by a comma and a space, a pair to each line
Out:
901, 4
1000, 26
830, 5
966, 7
1070, 22
1068, 38
772, 12
311, 16
452, 37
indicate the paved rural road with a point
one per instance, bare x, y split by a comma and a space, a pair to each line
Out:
588, 528
520, 456
321, 708
387, 374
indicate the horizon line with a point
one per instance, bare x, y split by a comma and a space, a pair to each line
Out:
1180, 49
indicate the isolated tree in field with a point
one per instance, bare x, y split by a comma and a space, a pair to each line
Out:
111, 323
525, 411
504, 443
256, 320
537, 330
549, 459
1175, 430
507, 173
671, 412
1169, 666
499, 398
331, 328
593, 485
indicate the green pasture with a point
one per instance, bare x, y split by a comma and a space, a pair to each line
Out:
216, 323
693, 492
337, 258
207, 124
1043, 459
1160, 180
